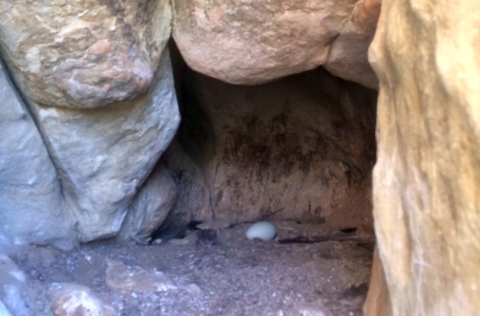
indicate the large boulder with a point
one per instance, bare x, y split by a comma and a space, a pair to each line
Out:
427, 177
99, 84
104, 155
83, 54
31, 206
245, 42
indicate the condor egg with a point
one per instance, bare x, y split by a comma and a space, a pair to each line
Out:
262, 230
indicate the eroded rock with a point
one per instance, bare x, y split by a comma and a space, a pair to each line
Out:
84, 54
378, 299
252, 42
31, 206
104, 155
427, 177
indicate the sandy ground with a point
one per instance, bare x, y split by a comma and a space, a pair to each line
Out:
203, 274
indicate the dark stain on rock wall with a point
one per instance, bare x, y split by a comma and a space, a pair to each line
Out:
300, 147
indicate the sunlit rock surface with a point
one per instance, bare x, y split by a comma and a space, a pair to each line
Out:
427, 178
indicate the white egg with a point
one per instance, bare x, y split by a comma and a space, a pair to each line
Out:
261, 230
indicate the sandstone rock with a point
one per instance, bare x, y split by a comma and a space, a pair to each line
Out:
31, 207
378, 299
77, 300
252, 42
427, 177
104, 155
284, 149
83, 54
85, 74
348, 58
150, 206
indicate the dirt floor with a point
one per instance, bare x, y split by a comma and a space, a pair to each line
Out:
212, 272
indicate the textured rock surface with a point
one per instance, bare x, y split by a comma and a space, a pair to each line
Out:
348, 53
252, 42
84, 53
300, 147
378, 299
150, 206
76, 300
427, 178
31, 207
103, 155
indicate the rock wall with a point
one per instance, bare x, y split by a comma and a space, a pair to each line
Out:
427, 177
298, 148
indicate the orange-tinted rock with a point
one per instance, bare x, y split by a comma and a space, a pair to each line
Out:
348, 56
378, 300
252, 42
427, 177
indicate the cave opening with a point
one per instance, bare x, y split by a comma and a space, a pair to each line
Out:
297, 152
